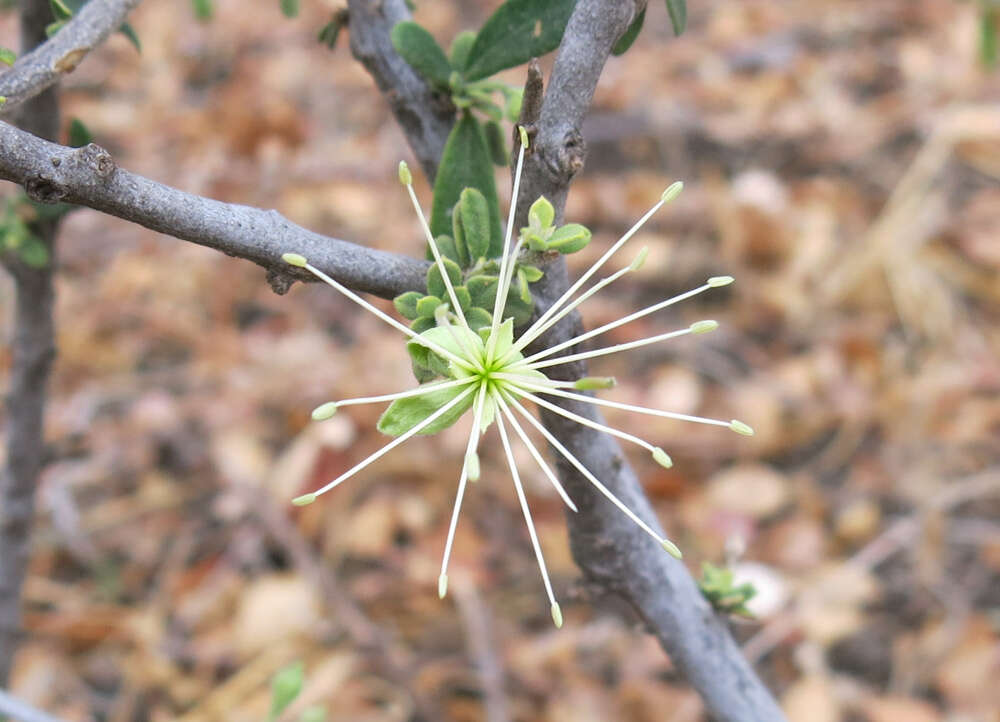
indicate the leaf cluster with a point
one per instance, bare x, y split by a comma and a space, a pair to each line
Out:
716, 584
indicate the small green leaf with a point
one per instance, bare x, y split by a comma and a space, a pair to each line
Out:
569, 238
465, 163
988, 35
79, 135
60, 10
34, 253
464, 297
517, 32
329, 33
129, 32
532, 273
53, 28
522, 280
7, 56
435, 283
447, 248
460, 48
483, 290
541, 214
285, 687
202, 9
497, 143
424, 323
290, 8
406, 304
478, 318
678, 15
475, 219
427, 305
419, 48
630, 34
406, 413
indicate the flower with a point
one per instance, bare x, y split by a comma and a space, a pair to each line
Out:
485, 370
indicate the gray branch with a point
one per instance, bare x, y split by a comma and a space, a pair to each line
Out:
607, 546
50, 61
425, 116
88, 176
33, 351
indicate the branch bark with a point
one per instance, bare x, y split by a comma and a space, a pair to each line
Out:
58, 56
33, 352
425, 116
607, 546
88, 176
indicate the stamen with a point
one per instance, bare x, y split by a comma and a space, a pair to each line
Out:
622, 321
534, 332
662, 541
637, 409
436, 348
500, 302
546, 469
667, 196
467, 469
556, 612
407, 181
605, 351
394, 443
324, 411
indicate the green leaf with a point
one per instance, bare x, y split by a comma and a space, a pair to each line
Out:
424, 323
541, 214
285, 687
202, 9
497, 143
517, 32
313, 714
483, 290
290, 8
678, 15
988, 35
7, 56
329, 33
427, 305
475, 219
129, 32
419, 48
403, 414
435, 283
60, 10
532, 273
53, 28
406, 304
34, 253
460, 48
448, 248
465, 163
79, 135
630, 34
569, 238
478, 318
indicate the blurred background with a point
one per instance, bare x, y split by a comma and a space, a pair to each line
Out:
841, 160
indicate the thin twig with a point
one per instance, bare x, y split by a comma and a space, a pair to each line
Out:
88, 176
51, 60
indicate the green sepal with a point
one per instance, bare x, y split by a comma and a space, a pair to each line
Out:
517, 32
474, 212
419, 48
424, 359
406, 304
427, 305
403, 414
569, 238
466, 163
678, 15
497, 143
435, 282
460, 48
505, 338
630, 34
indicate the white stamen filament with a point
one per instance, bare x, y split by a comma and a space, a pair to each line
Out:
546, 469
603, 351
500, 302
462, 481
527, 512
418, 391
532, 333
436, 348
437, 255
615, 324
628, 407
586, 473
394, 443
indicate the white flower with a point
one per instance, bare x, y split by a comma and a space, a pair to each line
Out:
487, 372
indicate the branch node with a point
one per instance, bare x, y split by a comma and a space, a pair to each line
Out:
44, 190
97, 159
279, 282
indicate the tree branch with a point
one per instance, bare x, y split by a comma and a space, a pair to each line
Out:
88, 176
608, 547
52, 59
33, 352
426, 117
